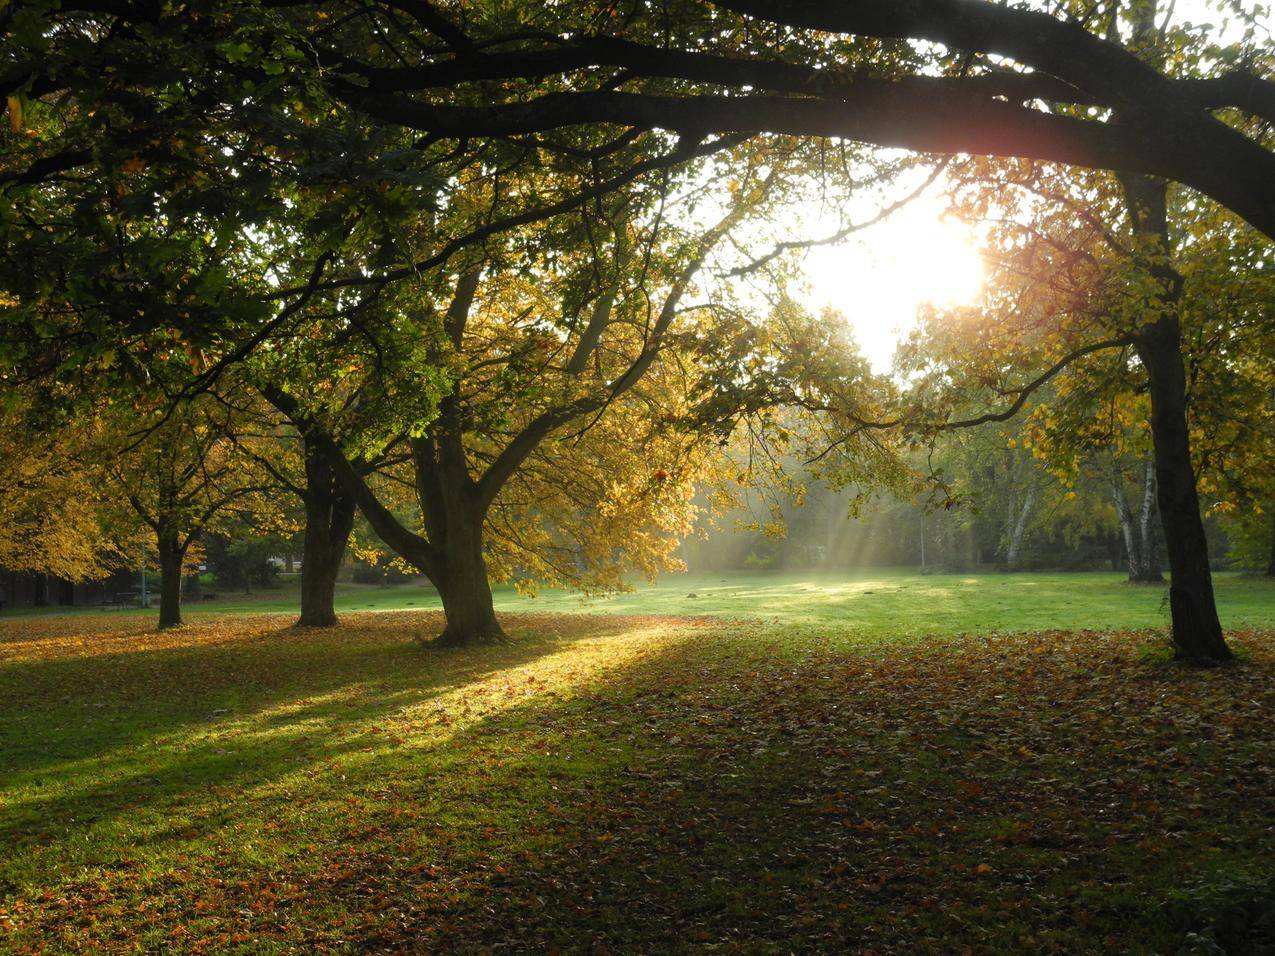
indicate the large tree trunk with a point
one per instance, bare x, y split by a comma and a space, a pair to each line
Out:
1270, 565
329, 518
171, 554
463, 586
1197, 632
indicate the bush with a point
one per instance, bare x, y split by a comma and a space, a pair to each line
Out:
1230, 916
243, 562
384, 571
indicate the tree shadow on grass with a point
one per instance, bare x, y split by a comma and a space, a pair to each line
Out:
1002, 795
85, 738
709, 787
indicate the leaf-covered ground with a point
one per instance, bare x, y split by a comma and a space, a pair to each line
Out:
610, 784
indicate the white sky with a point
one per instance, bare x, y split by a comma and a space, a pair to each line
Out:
880, 276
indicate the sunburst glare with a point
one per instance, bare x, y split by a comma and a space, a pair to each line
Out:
879, 279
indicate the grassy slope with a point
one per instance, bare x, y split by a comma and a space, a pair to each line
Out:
876, 602
612, 783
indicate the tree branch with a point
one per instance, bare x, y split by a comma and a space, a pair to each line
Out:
405, 542
1029, 389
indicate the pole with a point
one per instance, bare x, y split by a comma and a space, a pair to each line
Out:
146, 597
923, 540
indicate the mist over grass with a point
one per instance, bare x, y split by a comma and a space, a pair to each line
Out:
879, 602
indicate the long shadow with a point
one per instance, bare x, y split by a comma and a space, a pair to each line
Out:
156, 728
1020, 799
731, 792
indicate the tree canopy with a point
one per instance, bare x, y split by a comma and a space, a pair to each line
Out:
454, 244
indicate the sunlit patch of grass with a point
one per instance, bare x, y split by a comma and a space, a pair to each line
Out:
876, 603
651, 784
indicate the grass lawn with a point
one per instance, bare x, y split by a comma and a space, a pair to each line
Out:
641, 783
872, 603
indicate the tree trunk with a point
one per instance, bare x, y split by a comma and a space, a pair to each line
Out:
329, 518
1133, 551
453, 505
171, 554
1270, 565
463, 586
1018, 529
1197, 632
1140, 540
319, 567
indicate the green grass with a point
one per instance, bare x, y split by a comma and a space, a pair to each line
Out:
906, 604
644, 784
879, 602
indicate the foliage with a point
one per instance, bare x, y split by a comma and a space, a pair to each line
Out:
1252, 535
54, 518
242, 560
379, 570
552, 394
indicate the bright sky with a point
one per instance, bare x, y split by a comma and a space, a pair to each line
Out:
880, 276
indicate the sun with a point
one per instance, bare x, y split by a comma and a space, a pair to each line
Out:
880, 277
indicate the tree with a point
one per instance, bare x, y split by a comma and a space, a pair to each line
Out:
1075, 284
52, 518
296, 465
544, 360
179, 481
1139, 532
329, 519
1000, 478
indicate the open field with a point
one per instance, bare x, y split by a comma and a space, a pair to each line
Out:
880, 602
621, 783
